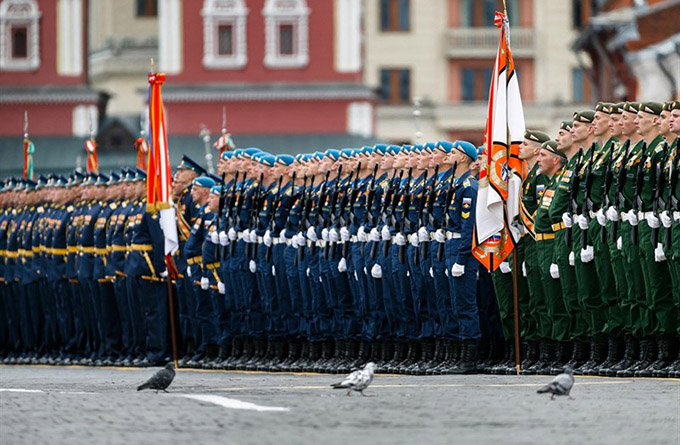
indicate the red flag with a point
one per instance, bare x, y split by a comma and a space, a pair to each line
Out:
498, 199
92, 160
142, 149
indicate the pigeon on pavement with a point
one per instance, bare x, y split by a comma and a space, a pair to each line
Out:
358, 380
561, 385
160, 380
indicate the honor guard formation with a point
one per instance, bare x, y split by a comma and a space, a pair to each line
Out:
328, 260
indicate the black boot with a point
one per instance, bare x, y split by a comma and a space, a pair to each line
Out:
508, 359
662, 360
529, 355
674, 358
468, 364
614, 348
326, 355
222, 355
426, 360
412, 356
599, 357
642, 358
629, 356
400, 354
188, 355
211, 352
595, 357
236, 351
297, 365
269, 356
495, 356
579, 355
563, 351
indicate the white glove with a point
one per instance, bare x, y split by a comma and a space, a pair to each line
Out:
361, 235
566, 219
374, 234
612, 214
440, 236
446, 271
414, 240
601, 218
505, 267
273, 270
246, 236
676, 216
232, 234
344, 234
619, 243
333, 236
431, 273
423, 234
214, 237
457, 270
223, 238
205, 283
633, 217
582, 222
221, 288
324, 234
300, 240
524, 268
267, 238
311, 234
587, 254
666, 219
342, 265
653, 221
554, 271
385, 233
659, 255
307, 271
164, 274
399, 239
252, 266
572, 259
376, 271
189, 271
253, 236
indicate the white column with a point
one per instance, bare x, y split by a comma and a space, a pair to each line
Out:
347, 25
82, 114
70, 37
170, 36
360, 118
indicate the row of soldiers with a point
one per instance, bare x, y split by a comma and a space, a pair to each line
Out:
323, 261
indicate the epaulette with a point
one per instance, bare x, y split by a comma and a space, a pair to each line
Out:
466, 183
113, 206
70, 208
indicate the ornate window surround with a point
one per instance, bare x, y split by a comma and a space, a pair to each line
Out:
19, 12
224, 12
286, 12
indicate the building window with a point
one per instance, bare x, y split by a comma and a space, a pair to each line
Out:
224, 34
19, 35
480, 13
147, 8
581, 88
395, 15
395, 85
475, 84
286, 33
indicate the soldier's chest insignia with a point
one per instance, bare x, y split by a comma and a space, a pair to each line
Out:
88, 219
206, 224
465, 215
198, 223
467, 203
540, 188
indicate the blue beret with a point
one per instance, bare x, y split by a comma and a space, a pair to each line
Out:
189, 164
29, 184
238, 153
226, 155
333, 154
140, 175
429, 147
249, 152
267, 159
215, 178
102, 179
113, 178
347, 153
307, 157
90, 179
480, 150
285, 159
467, 148
203, 181
444, 146
216, 190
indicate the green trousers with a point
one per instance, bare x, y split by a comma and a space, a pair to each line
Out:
589, 295
577, 324
558, 319
657, 282
618, 311
635, 304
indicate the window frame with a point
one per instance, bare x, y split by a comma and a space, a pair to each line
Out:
150, 8
391, 14
395, 78
25, 14
279, 13
218, 13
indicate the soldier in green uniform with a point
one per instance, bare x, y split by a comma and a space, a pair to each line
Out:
551, 163
532, 301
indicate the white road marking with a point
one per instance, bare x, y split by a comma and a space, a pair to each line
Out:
20, 390
231, 403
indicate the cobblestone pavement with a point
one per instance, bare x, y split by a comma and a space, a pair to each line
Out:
101, 405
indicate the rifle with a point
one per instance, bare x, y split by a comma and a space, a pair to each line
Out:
431, 196
587, 204
606, 189
320, 203
573, 193
301, 208
251, 251
406, 203
334, 200
220, 209
234, 217
305, 208
620, 198
387, 200
368, 215
272, 213
445, 216
350, 206
340, 220
657, 192
637, 200
672, 201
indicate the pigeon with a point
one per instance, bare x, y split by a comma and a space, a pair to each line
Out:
160, 380
358, 380
561, 385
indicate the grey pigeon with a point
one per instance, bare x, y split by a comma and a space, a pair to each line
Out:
358, 380
561, 385
160, 380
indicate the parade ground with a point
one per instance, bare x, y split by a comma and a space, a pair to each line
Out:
79, 405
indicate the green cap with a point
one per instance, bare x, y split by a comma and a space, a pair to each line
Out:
616, 109
551, 146
605, 107
672, 105
654, 108
584, 116
632, 107
536, 136
566, 125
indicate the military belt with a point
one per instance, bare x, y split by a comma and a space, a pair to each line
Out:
558, 226
141, 247
194, 260
83, 249
72, 249
212, 266
116, 248
11, 254
544, 236
57, 251
100, 251
453, 235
